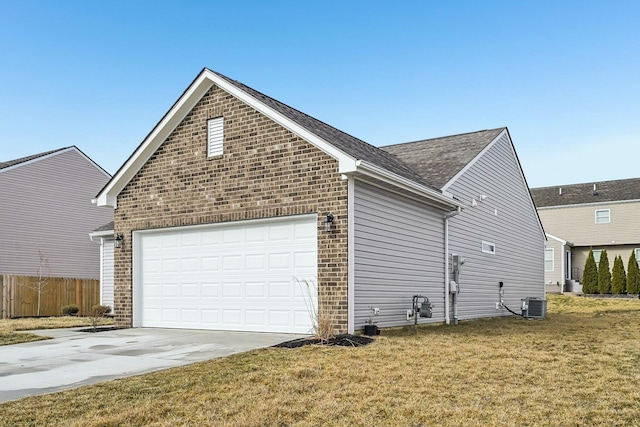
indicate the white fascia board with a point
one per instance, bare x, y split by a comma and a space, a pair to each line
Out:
105, 234
413, 187
551, 236
473, 161
178, 112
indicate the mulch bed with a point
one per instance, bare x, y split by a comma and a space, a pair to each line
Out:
344, 340
100, 329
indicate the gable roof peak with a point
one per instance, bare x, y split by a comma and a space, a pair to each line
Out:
438, 160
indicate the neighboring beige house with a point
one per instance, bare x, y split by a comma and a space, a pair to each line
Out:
600, 215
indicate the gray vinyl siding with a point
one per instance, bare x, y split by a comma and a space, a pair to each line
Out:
398, 252
46, 205
515, 230
106, 279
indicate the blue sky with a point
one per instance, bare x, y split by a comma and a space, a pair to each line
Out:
564, 76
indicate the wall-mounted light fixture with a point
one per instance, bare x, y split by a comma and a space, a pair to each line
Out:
327, 222
119, 238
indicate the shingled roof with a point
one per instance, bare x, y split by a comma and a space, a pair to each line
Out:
440, 159
6, 164
346, 143
106, 227
577, 194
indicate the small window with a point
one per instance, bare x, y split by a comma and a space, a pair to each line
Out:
488, 248
548, 259
596, 255
215, 136
603, 216
638, 255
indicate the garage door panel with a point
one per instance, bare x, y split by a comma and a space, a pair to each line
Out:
255, 290
191, 290
279, 233
304, 260
170, 265
170, 241
256, 235
190, 265
210, 290
231, 236
170, 290
190, 316
255, 318
190, 239
232, 263
210, 263
279, 261
238, 277
280, 318
255, 263
232, 318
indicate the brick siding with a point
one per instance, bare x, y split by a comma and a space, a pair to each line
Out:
265, 171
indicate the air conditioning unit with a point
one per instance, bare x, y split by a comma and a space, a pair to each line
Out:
534, 308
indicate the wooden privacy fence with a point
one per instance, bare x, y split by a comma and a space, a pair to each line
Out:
19, 295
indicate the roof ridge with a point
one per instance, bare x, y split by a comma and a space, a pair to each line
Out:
586, 183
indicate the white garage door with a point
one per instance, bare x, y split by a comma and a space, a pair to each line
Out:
242, 276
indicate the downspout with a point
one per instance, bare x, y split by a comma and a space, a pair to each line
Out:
447, 302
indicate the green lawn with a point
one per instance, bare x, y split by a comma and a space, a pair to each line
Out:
580, 366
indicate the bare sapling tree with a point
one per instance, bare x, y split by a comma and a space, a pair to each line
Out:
97, 313
43, 277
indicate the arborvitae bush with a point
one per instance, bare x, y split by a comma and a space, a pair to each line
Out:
618, 277
633, 276
604, 274
590, 275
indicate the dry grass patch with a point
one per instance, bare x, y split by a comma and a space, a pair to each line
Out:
578, 367
8, 327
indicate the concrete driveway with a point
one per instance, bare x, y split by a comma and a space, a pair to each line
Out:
73, 358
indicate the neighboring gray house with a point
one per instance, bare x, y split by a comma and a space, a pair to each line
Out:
105, 237
235, 202
45, 205
577, 217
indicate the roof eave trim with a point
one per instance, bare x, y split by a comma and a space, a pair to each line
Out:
436, 198
101, 233
564, 242
181, 108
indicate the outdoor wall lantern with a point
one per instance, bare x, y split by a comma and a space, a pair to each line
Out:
119, 238
327, 223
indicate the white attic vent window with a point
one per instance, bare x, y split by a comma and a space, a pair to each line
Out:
488, 248
215, 136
